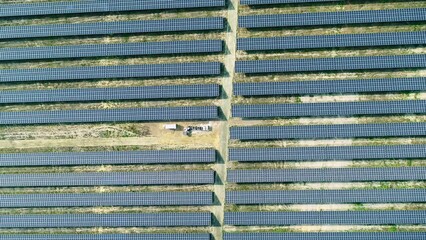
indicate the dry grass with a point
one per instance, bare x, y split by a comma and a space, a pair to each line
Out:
114, 61
329, 164
109, 83
30, 1
104, 210
321, 30
111, 39
335, 53
70, 131
332, 7
142, 136
325, 207
107, 189
315, 229
106, 168
101, 230
290, 77
113, 17
331, 120
330, 98
327, 186
328, 142
109, 105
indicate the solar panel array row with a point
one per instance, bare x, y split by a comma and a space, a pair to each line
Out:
107, 179
108, 72
107, 50
332, 41
112, 115
107, 28
328, 236
106, 199
182, 236
331, 64
327, 153
109, 94
105, 220
333, 18
99, 6
330, 86
329, 109
100, 158
268, 2
327, 175
325, 218
328, 131
327, 196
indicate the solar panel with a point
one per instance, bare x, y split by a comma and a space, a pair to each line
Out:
333, 18
112, 115
106, 199
99, 6
331, 64
108, 72
111, 50
325, 218
327, 175
170, 236
332, 41
108, 28
327, 196
110, 94
100, 158
329, 109
106, 220
327, 153
328, 131
330, 86
328, 236
268, 2
107, 179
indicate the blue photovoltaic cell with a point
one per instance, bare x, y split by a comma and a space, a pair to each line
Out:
268, 2
332, 41
109, 94
98, 6
111, 50
328, 109
112, 115
330, 86
333, 18
328, 131
328, 236
107, 199
108, 72
327, 175
331, 64
107, 179
102, 158
325, 218
105, 220
169, 236
107, 28
327, 153
326, 196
